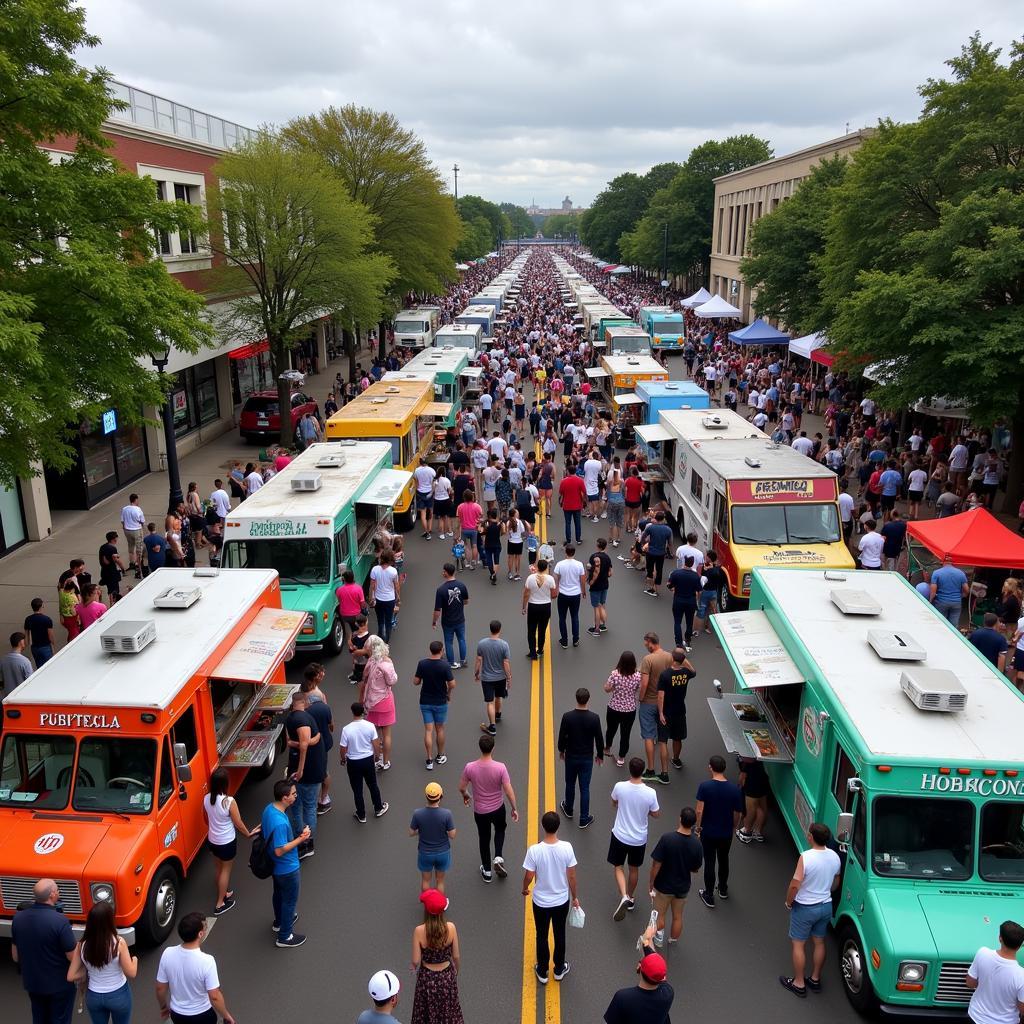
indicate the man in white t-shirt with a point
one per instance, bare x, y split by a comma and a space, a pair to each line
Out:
690, 550
958, 460
592, 478
870, 547
571, 577
253, 478
997, 979
846, 508
486, 401
220, 500
133, 520
187, 984
803, 444
424, 476
498, 446
551, 866
635, 803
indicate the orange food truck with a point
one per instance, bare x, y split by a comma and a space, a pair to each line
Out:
107, 749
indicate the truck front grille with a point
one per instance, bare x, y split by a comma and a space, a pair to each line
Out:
18, 889
951, 987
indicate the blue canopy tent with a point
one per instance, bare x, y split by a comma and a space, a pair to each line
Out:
759, 333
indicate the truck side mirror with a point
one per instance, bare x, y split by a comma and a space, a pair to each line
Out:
180, 763
844, 829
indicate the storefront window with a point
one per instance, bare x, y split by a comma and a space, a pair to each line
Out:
130, 451
194, 399
12, 522
98, 459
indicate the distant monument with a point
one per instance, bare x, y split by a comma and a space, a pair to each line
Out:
539, 214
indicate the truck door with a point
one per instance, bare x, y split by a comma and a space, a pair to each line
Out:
839, 799
181, 817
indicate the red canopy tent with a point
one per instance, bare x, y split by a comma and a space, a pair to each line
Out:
973, 538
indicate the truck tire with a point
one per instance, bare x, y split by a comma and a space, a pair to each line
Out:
336, 638
853, 969
161, 906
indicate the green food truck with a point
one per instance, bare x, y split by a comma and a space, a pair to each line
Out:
448, 369
320, 515
875, 716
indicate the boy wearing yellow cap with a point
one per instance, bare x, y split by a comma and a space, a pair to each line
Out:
434, 827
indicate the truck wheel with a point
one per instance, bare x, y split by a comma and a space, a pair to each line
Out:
336, 637
854, 969
161, 906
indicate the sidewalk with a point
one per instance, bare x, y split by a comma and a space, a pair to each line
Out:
33, 569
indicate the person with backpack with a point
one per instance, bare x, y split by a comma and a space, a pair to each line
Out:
280, 847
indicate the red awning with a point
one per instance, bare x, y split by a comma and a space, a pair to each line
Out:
822, 356
972, 538
249, 350
610, 268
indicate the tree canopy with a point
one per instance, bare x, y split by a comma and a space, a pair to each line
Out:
564, 224
83, 296
483, 222
520, 222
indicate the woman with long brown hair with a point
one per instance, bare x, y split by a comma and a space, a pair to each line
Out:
436, 960
223, 823
103, 961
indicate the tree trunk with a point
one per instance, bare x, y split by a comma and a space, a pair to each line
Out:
349, 339
382, 340
1015, 469
278, 364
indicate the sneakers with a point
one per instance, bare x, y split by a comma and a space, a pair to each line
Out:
425, 536
798, 990
564, 644
386, 766
491, 730
620, 910
576, 642
659, 937
362, 820
650, 592
430, 765
565, 810
497, 718
559, 975
744, 836
442, 758
542, 978
603, 628
384, 808
306, 850
293, 940
664, 779
499, 867
620, 761
224, 907
758, 838
723, 894
586, 822
456, 664
593, 630
631, 906
486, 875
677, 763
649, 775
706, 898
322, 809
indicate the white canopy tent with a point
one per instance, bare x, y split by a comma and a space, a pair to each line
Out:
716, 308
698, 298
807, 344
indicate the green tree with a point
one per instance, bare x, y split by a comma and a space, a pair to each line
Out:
476, 238
786, 247
615, 211
924, 258
472, 207
83, 297
564, 224
295, 245
520, 222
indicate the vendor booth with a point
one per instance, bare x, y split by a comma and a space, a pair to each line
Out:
759, 333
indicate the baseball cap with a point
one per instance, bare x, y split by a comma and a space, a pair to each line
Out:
383, 986
652, 967
434, 901
433, 791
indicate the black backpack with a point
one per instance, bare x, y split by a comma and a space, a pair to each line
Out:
261, 861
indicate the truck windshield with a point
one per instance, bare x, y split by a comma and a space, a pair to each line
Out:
296, 559
411, 327
666, 327
115, 774
36, 771
1002, 842
918, 837
810, 523
396, 447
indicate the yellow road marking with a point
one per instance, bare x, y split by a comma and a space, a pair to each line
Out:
530, 820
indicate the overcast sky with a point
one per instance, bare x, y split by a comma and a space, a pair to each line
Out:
537, 99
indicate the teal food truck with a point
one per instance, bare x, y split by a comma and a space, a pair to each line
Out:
446, 368
318, 516
876, 717
667, 331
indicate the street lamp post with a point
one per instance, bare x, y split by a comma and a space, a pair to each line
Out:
175, 497
456, 170
664, 260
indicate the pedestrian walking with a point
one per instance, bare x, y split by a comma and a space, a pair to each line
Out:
572, 495
434, 678
720, 808
650, 1000
551, 865
538, 591
103, 961
672, 686
42, 943
490, 542
223, 823
809, 902
15, 668
434, 828
685, 585
493, 671
187, 983
516, 530
283, 845
580, 746
384, 987
469, 514
676, 857
654, 543
436, 960
307, 768
376, 693
653, 663
424, 475
39, 628
599, 574
713, 579
385, 593
571, 577
450, 600
634, 804
623, 685
318, 708
133, 522
996, 979
488, 781
359, 748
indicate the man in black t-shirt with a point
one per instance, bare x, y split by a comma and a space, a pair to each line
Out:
685, 586
650, 1000
672, 686
434, 678
111, 567
675, 859
450, 600
711, 592
307, 766
599, 573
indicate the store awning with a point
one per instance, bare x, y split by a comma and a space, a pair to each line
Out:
628, 399
754, 649
806, 345
652, 433
716, 308
259, 651
386, 487
596, 373
759, 333
246, 351
439, 409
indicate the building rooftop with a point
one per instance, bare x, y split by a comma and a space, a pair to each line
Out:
843, 141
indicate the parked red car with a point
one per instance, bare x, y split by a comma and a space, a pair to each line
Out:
261, 414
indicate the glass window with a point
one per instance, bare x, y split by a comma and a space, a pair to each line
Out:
206, 401
921, 837
142, 108
843, 771
98, 460
859, 842
12, 522
166, 787
296, 559
36, 771
232, 704
396, 447
696, 484
115, 774
165, 116
814, 523
721, 511
184, 731
130, 452
1002, 842
342, 547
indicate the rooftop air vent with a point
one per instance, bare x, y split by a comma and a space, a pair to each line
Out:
633, 362
855, 602
307, 482
128, 637
177, 597
714, 423
892, 646
332, 460
348, 442
379, 400
933, 689
671, 386
392, 390
752, 463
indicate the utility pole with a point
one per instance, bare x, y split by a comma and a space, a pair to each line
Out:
456, 170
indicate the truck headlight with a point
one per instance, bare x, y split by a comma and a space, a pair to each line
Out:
309, 626
101, 892
747, 579
912, 972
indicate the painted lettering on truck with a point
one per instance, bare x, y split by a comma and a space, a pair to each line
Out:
277, 528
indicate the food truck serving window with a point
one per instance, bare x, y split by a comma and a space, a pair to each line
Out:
1002, 842
115, 774
785, 524
922, 837
36, 771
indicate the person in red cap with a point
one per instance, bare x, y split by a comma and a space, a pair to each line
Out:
435, 958
650, 1000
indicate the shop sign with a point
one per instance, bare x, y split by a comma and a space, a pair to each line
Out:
278, 528
77, 721
983, 786
792, 557
792, 489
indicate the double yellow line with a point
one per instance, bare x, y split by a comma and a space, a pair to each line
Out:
541, 692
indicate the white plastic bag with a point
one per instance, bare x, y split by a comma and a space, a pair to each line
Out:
577, 918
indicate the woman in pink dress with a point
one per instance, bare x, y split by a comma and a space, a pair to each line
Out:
377, 696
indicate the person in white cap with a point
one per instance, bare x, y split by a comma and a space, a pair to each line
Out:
383, 987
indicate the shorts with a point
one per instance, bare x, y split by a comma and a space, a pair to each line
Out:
443, 507
223, 851
915, 496
424, 501
620, 853
663, 901
633, 504
515, 549
888, 502
1018, 659
598, 598
673, 729
470, 537
434, 713
648, 715
433, 860
807, 920
704, 602
594, 497
494, 688
616, 513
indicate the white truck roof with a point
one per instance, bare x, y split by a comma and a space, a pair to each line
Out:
730, 460
83, 675
636, 363
438, 359
338, 486
457, 329
990, 726
705, 424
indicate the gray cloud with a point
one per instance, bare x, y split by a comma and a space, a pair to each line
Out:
537, 99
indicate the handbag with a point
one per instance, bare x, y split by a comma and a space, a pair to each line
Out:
577, 918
